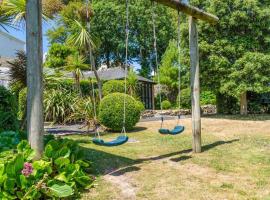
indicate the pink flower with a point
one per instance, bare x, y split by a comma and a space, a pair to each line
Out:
27, 170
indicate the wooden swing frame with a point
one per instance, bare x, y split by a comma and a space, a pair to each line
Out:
35, 123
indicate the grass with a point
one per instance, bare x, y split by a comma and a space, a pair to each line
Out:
234, 164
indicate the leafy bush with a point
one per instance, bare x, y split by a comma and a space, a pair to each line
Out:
185, 100
9, 140
111, 111
113, 86
22, 103
57, 55
8, 110
157, 99
68, 85
166, 104
140, 106
227, 104
58, 105
83, 111
59, 174
208, 97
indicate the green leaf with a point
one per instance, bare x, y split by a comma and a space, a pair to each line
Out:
23, 146
61, 190
2, 169
83, 180
64, 152
48, 152
23, 181
62, 177
19, 162
9, 185
62, 161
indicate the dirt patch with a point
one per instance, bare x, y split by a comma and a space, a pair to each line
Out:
122, 182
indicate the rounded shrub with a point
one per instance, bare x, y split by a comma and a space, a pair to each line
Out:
113, 86
208, 97
166, 104
111, 111
8, 110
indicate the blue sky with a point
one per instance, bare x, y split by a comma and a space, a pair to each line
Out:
20, 34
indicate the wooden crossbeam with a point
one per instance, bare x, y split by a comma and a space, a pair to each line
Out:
190, 10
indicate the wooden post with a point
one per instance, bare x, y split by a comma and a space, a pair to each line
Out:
190, 10
35, 124
195, 85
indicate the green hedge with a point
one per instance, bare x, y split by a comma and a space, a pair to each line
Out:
111, 111
8, 110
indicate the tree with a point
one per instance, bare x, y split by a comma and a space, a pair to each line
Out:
250, 73
108, 30
76, 64
243, 27
74, 18
35, 124
169, 71
57, 55
17, 10
5, 20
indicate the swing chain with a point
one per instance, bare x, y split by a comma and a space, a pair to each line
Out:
179, 65
126, 66
156, 58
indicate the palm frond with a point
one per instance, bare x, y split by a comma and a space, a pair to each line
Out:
81, 38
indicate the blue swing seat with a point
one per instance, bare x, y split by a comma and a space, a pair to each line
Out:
177, 130
116, 142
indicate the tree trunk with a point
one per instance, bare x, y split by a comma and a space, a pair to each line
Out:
96, 74
35, 124
243, 104
108, 59
195, 85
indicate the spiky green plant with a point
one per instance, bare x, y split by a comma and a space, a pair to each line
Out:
16, 9
83, 111
81, 38
76, 64
58, 105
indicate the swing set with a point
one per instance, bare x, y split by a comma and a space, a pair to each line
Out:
194, 13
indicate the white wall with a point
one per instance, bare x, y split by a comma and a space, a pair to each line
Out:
9, 45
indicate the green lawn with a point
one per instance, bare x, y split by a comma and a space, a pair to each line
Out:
235, 163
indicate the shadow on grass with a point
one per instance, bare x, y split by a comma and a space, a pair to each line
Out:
249, 117
107, 163
181, 158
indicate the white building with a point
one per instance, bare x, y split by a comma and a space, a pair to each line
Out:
9, 45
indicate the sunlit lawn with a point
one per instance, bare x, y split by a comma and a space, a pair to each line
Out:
235, 163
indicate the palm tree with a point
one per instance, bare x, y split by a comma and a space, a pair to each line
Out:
16, 9
76, 64
82, 40
5, 20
